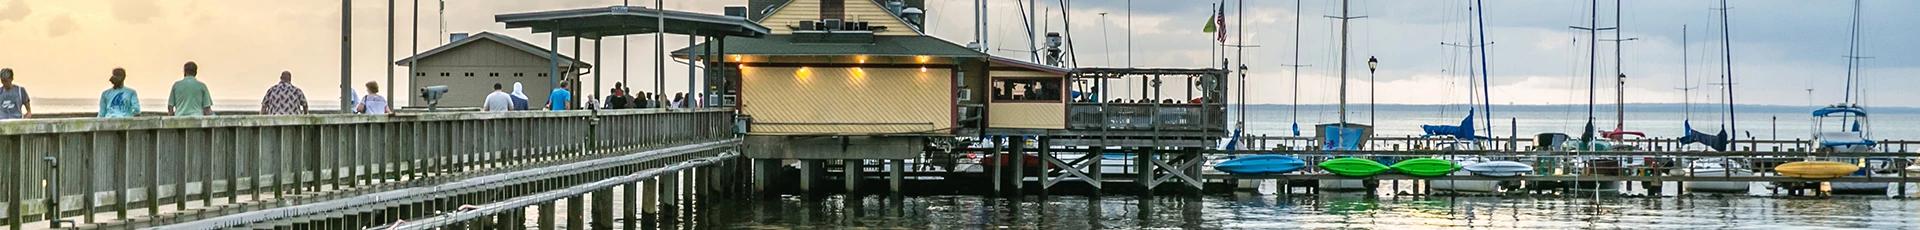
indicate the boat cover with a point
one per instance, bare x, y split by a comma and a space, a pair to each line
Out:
1717, 141
1463, 131
1822, 112
1342, 138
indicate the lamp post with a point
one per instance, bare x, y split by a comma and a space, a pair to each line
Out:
1373, 65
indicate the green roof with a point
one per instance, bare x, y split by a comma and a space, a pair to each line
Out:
787, 45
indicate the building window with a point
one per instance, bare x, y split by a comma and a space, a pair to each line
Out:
469, 74
444, 74
493, 74
833, 9
1026, 90
543, 74
519, 74
420, 74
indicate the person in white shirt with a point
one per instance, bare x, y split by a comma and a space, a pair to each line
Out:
373, 103
498, 101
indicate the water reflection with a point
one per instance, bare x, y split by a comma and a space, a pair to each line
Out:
1331, 210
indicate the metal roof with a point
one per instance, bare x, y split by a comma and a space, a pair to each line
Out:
1126, 72
1028, 65
502, 39
625, 20
784, 45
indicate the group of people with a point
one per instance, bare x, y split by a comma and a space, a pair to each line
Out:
188, 97
621, 98
626, 98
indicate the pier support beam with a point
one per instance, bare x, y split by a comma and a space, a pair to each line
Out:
546, 215
851, 169
629, 198
669, 187
897, 167
603, 209
649, 194
1019, 164
765, 172
576, 218
810, 171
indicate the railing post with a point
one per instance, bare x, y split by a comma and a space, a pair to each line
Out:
15, 152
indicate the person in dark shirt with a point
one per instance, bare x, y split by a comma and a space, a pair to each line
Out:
619, 98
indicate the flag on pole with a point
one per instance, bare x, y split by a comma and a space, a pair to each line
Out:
1217, 22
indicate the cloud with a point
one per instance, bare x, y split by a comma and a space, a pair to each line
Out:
15, 11
61, 25
136, 11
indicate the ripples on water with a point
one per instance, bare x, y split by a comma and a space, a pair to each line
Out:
1331, 210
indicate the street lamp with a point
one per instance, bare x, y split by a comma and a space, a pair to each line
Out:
1373, 64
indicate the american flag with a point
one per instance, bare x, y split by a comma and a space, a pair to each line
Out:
1220, 19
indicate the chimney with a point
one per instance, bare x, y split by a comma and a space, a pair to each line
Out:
456, 37
736, 11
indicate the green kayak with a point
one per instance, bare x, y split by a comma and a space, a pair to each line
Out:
1426, 167
1353, 167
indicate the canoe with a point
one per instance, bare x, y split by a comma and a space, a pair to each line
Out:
1425, 167
1261, 164
1353, 167
1816, 169
1499, 168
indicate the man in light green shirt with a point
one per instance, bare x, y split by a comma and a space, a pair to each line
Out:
189, 97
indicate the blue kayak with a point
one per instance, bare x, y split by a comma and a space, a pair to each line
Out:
1261, 164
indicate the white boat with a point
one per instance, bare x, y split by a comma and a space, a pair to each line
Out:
1469, 163
1715, 167
1913, 168
1499, 168
1850, 135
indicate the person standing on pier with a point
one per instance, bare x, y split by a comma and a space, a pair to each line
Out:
557, 101
189, 96
519, 98
284, 98
498, 101
119, 101
13, 98
618, 100
373, 103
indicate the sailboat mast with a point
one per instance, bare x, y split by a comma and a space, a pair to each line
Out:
1620, 83
1296, 67
1240, 53
1343, 63
1726, 46
1486, 93
1686, 73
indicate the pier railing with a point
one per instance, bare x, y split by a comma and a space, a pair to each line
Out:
94, 170
1146, 117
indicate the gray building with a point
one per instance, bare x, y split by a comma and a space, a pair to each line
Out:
470, 65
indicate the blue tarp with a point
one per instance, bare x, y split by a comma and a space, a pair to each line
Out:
1464, 131
1718, 141
1822, 112
1342, 138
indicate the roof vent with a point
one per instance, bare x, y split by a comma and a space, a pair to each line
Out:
914, 15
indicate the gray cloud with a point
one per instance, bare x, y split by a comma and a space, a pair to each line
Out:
15, 11
61, 25
136, 11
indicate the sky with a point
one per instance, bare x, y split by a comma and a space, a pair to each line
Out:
1780, 48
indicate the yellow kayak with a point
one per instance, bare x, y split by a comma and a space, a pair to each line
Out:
1816, 169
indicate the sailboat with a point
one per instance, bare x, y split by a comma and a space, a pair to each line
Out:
1344, 136
1587, 142
1707, 167
1464, 133
1848, 134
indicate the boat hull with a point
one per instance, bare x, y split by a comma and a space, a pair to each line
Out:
1353, 167
1261, 164
1499, 169
1425, 167
1816, 169
1718, 186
